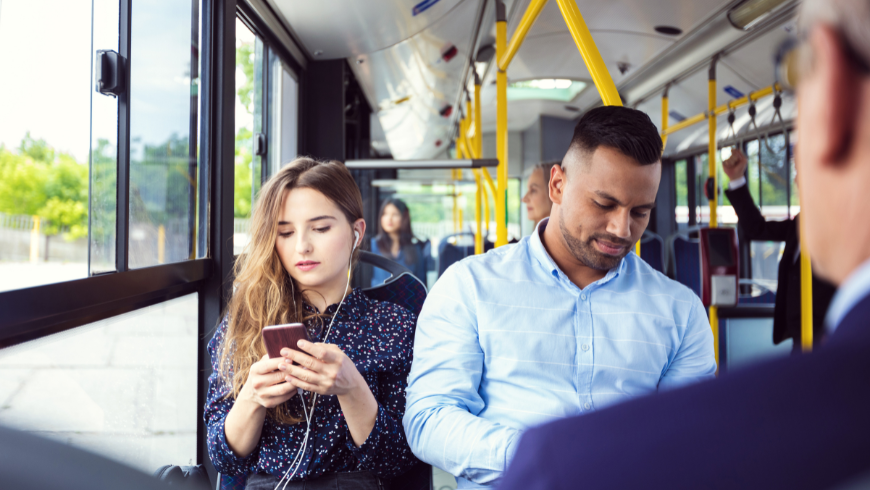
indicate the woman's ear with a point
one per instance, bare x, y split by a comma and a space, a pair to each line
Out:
359, 226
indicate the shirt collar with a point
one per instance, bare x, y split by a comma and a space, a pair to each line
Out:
852, 291
540, 253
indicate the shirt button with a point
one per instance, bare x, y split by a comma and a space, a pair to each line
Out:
583, 297
585, 346
587, 406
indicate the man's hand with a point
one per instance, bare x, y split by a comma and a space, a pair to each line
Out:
735, 165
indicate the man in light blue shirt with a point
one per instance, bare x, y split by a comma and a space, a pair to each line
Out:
567, 321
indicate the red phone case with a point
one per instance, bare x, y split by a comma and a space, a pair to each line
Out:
278, 337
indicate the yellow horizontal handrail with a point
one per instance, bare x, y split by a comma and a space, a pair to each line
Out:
718, 111
529, 17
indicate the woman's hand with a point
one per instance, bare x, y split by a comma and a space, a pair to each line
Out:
266, 385
735, 165
326, 371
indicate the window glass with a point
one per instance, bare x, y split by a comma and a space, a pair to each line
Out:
104, 145
124, 387
753, 167
794, 199
765, 258
682, 191
163, 132
283, 114
246, 47
44, 160
725, 213
774, 177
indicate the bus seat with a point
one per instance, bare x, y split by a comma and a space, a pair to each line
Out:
401, 288
404, 289
449, 253
686, 253
652, 250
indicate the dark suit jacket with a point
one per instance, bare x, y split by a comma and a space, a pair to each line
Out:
800, 422
787, 310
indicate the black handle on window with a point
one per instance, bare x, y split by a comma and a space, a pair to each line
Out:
109, 77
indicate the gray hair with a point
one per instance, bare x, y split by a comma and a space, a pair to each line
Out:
851, 18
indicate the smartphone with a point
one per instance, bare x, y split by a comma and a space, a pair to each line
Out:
277, 337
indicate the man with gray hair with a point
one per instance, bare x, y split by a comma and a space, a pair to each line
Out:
800, 422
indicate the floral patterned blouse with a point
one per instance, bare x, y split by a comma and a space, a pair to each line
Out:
378, 338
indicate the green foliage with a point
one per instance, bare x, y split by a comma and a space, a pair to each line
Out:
243, 158
245, 62
37, 180
244, 137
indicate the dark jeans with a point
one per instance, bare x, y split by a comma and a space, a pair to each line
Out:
354, 480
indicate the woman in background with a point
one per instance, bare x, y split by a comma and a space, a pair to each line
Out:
537, 197
397, 242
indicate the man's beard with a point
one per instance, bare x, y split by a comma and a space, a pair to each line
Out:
585, 251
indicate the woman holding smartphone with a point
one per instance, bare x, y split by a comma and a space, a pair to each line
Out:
305, 230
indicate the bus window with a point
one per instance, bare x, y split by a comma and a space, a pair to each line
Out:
125, 387
682, 191
44, 138
774, 178
164, 103
266, 123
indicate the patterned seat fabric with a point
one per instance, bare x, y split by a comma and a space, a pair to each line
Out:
406, 291
652, 250
687, 260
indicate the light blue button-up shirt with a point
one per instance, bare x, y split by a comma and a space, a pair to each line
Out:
854, 289
506, 341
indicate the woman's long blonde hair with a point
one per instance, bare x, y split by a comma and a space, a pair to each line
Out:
263, 292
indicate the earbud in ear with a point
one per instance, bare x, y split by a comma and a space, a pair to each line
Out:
355, 240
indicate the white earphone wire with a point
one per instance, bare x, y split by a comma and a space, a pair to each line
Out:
297, 461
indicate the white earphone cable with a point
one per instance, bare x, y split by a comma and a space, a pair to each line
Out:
297, 461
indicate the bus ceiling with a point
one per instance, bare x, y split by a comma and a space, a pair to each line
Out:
413, 60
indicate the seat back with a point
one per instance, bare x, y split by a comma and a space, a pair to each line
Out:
449, 253
652, 250
405, 290
402, 287
687, 262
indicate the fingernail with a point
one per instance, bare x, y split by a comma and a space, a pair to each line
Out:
282, 367
300, 343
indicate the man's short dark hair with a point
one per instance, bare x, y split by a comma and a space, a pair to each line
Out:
628, 130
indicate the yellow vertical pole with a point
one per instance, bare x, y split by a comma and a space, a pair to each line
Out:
665, 117
478, 147
806, 293
501, 130
478, 218
34, 241
478, 120
161, 244
711, 147
711, 161
486, 215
